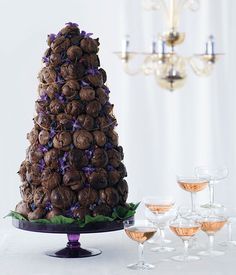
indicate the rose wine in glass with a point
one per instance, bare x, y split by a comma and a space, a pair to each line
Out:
215, 175
139, 231
192, 185
185, 229
159, 213
210, 225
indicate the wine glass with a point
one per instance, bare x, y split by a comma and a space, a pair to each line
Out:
230, 213
158, 211
192, 185
211, 222
215, 174
185, 229
139, 231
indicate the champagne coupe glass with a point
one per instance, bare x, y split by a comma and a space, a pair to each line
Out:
230, 213
215, 175
192, 185
159, 212
185, 229
139, 231
211, 222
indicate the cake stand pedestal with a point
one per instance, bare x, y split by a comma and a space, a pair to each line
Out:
73, 248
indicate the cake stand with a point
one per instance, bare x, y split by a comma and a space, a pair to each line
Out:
73, 248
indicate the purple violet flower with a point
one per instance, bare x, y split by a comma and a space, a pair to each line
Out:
45, 60
32, 206
89, 153
60, 97
52, 132
88, 170
84, 84
86, 35
48, 206
110, 168
44, 97
63, 164
60, 80
72, 24
52, 37
43, 149
76, 125
41, 165
107, 91
108, 146
93, 71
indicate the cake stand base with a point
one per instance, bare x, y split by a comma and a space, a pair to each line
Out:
74, 249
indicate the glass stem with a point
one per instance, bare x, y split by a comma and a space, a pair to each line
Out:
140, 254
229, 226
212, 193
211, 243
162, 237
186, 246
193, 201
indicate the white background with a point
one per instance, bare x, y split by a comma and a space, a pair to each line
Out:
162, 133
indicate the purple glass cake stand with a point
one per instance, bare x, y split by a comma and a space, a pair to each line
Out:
73, 248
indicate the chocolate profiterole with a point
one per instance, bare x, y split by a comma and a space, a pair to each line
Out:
74, 162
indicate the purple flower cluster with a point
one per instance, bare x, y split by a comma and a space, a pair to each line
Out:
86, 35
72, 24
108, 146
45, 60
107, 91
110, 168
89, 153
43, 148
44, 97
41, 165
84, 84
60, 80
88, 170
63, 163
52, 37
60, 97
48, 206
93, 71
76, 125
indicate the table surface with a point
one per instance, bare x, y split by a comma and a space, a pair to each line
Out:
22, 253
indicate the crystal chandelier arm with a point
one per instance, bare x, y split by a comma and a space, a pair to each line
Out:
129, 71
199, 66
192, 5
156, 5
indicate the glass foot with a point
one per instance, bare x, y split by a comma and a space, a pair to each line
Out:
182, 258
74, 250
228, 244
156, 241
162, 249
141, 266
211, 253
212, 205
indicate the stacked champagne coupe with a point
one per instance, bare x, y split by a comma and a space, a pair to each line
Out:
162, 213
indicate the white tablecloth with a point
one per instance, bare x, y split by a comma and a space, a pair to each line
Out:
22, 253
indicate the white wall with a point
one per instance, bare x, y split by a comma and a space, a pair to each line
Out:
162, 133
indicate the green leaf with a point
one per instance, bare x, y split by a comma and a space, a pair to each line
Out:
16, 215
120, 213
61, 220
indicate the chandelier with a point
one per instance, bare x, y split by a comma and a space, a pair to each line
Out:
167, 66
